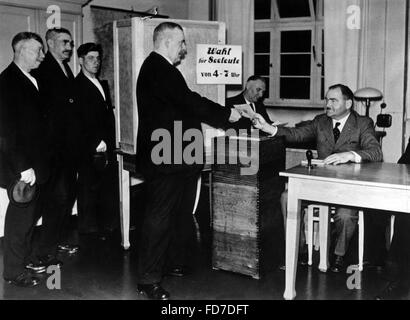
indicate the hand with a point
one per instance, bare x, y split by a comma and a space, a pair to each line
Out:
102, 147
338, 158
258, 121
235, 115
28, 176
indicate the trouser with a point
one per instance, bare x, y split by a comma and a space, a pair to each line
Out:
376, 224
18, 230
98, 198
168, 227
345, 220
398, 265
56, 209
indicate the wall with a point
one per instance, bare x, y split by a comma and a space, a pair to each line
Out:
384, 63
198, 10
175, 9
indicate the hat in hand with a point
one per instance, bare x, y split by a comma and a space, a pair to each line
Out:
21, 194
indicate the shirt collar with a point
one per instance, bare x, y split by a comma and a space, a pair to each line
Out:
341, 121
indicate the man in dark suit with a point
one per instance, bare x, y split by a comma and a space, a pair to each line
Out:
341, 136
164, 103
253, 96
97, 185
58, 94
23, 152
398, 261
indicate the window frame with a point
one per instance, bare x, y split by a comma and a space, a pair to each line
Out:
275, 26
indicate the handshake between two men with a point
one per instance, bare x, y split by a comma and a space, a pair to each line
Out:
311, 131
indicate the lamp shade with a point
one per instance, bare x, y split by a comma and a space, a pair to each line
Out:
368, 94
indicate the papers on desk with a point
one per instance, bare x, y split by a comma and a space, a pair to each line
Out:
315, 162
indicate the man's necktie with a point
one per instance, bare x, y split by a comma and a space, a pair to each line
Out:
336, 131
252, 106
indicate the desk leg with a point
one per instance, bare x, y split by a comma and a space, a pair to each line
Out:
324, 238
124, 204
292, 243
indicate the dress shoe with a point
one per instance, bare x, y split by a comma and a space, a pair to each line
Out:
394, 291
50, 260
338, 265
177, 272
36, 267
25, 279
68, 248
153, 291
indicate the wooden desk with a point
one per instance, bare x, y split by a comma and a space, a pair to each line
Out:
384, 186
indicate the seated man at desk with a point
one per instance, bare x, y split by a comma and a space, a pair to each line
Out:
341, 135
252, 95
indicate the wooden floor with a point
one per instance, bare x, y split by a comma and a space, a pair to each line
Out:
103, 270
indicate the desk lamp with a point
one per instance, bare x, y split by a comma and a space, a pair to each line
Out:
368, 94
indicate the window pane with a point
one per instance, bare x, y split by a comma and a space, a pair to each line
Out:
262, 42
323, 65
295, 65
295, 88
266, 95
262, 65
322, 88
293, 8
295, 41
262, 9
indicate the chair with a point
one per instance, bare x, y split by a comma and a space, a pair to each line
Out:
323, 219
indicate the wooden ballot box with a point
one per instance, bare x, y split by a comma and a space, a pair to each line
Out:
243, 199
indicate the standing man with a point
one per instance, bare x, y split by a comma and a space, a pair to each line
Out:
59, 97
398, 259
252, 95
164, 102
23, 152
341, 136
96, 181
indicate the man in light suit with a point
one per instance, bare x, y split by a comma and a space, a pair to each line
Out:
341, 136
97, 186
23, 153
165, 102
252, 95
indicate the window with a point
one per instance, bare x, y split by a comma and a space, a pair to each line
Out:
289, 51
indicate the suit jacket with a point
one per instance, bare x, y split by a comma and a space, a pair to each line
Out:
59, 96
405, 158
357, 135
163, 98
23, 130
245, 123
97, 117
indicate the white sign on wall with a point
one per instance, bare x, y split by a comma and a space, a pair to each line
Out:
218, 64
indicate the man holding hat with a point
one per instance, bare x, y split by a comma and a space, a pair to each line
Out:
23, 155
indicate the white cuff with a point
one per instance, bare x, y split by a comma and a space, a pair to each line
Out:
357, 158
